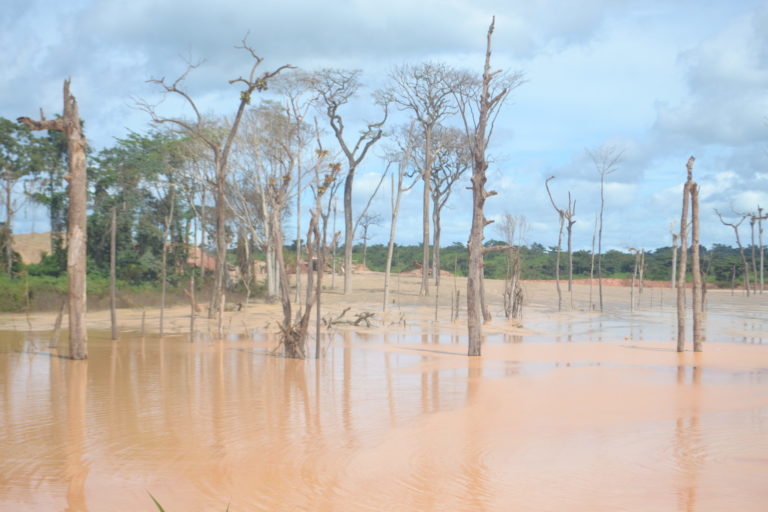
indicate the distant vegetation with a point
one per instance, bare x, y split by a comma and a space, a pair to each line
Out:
139, 271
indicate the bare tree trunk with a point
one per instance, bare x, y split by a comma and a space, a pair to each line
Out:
632, 286
426, 198
600, 243
113, 273
735, 227
752, 222
642, 273
760, 237
298, 232
484, 102
69, 123
682, 269
436, 244
333, 252
349, 233
202, 237
164, 269
674, 259
695, 263
192, 298
557, 266
570, 258
592, 266
743, 261
390, 252
218, 297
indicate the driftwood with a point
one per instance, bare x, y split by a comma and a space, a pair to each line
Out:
360, 318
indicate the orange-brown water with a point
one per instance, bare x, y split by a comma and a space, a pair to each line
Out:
394, 420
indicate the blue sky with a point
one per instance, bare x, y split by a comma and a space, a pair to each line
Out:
661, 80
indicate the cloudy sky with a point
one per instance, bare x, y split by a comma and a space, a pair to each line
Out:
661, 80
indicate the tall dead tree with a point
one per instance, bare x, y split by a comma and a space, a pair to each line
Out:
296, 89
403, 158
760, 219
735, 227
690, 199
427, 91
69, 123
566, 217
113, 272
219, 145
366, 221
451, 161
675, 237
606, 160
335, 87
294, 332
513, 291
479, 102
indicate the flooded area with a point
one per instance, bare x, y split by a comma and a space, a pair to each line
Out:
578, 411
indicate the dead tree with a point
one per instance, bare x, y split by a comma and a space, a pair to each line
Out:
479, 102
427, 91
113, 272
760, 219
69, 123
562, 216
167, 221
366, 221
294, 332
403, 158
756, 219
335, 87
219, 146
450, 163
675, 237
296, 91
513, 291
690, 198
735, 227
606, 160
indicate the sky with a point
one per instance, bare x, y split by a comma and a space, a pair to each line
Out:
658, 80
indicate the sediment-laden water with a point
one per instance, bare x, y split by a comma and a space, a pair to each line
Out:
575, 416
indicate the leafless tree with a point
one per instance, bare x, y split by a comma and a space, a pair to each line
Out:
512, 231
675, 237
592, 264
296, 90
366, 221
690, 198
479, 102
606, 160
451, 161
294, 332
399, 187
335, 87
756, 220
735, 227
220, 145
637, 253
566, 217
427, 91
760, 219
113, 272
69, 123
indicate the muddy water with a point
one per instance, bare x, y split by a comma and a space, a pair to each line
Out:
387, 421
